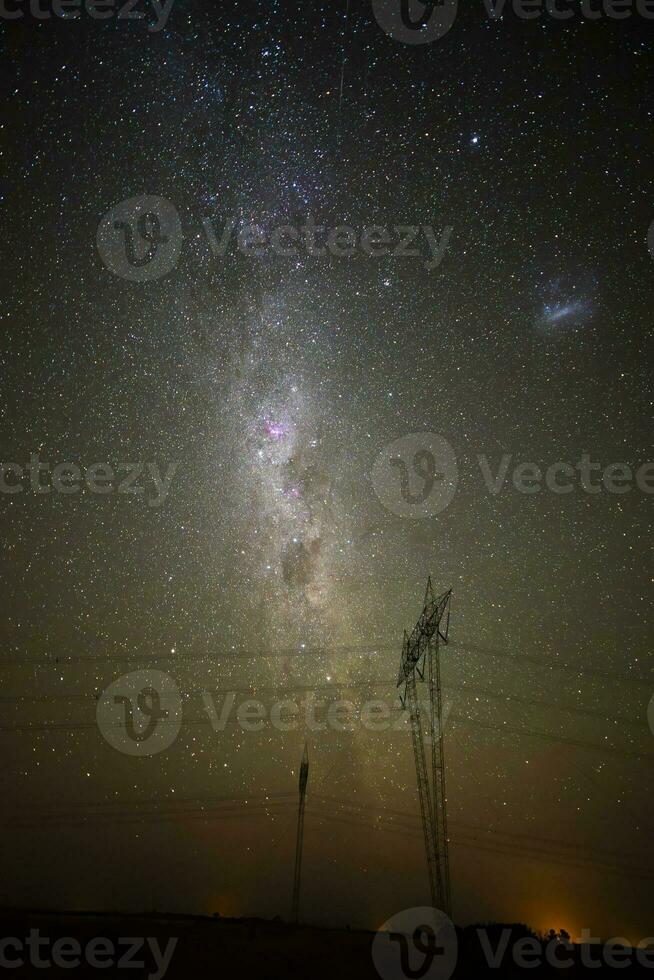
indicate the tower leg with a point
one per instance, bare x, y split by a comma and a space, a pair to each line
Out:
424, 793
298, 862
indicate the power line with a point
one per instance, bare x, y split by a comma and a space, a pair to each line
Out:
545, 850
333, 686
70, 727
368, 650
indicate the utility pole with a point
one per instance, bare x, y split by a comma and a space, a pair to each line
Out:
304, 776
420, 655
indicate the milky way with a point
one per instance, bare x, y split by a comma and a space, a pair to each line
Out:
275, 568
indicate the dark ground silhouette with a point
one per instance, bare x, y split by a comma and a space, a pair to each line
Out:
250, 948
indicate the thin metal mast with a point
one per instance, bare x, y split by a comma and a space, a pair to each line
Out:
304, 776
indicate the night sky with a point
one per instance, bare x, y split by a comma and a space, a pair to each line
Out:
268, 388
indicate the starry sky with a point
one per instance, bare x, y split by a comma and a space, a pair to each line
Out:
268, 386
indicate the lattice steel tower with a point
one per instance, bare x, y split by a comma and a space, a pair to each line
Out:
420, 655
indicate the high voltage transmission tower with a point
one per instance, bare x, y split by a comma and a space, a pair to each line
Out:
304, 776
420, 655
